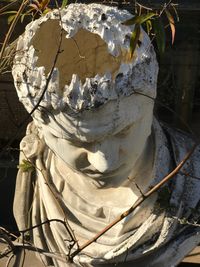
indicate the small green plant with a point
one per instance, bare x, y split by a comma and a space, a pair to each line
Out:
26, 166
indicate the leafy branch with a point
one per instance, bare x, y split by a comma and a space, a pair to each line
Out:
153, 23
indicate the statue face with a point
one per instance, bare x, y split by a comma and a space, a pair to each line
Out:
90, 115
104, 142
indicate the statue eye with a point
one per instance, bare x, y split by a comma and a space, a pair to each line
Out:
79, 144
124, 131
76, 144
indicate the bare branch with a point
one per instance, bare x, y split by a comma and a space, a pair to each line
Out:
184, 221
137, 203
9, 260
30, 247
4, 235
8, 233
142, 6
188, 174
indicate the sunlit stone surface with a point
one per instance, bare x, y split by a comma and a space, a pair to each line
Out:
96, 146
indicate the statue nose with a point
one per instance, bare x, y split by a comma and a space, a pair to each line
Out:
104, 157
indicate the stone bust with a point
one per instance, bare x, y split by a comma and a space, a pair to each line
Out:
96, 146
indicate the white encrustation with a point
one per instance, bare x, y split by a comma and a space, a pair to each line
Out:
93, 64
96, 146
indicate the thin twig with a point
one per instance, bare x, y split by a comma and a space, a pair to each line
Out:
6, 251
4, 235
188, 174
39, 255
8, 233
9, 260
137, 203
184, 221
3, 9
165, 7
42, 223
41, 97
144, 7
194, 136
30, 247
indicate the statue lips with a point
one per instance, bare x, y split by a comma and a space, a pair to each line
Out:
99, 175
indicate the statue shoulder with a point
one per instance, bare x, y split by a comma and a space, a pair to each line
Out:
181, 143
31, 145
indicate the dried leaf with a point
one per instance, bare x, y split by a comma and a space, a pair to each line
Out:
36, 2
159, 31
44, 4
171, 23
134, 39
139, 19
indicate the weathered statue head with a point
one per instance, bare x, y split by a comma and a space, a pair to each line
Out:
91, 114
94, 144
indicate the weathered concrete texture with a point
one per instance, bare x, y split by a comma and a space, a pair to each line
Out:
30, 259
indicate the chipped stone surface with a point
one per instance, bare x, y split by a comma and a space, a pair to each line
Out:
100, 71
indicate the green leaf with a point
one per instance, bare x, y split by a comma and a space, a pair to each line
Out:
139, 19
10, 18
148, 26
26, 166
64, 3
22, 17
47, 10
134, 39
159, 31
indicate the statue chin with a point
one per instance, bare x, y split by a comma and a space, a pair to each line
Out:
96, 147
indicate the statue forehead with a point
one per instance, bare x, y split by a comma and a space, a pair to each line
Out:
92, 65
95, 124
